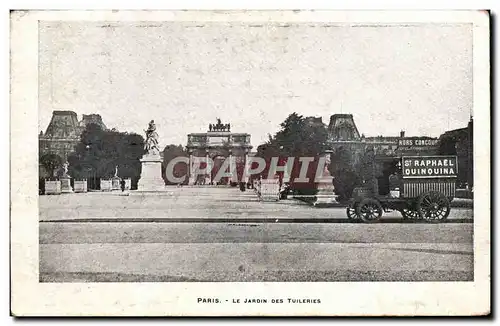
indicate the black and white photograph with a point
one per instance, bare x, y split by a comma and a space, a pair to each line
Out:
259, 157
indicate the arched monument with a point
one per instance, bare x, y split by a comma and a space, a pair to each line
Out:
218, 144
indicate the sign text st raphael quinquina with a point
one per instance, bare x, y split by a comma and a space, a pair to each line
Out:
429, 166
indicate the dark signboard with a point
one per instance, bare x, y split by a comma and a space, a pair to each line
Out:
429, 166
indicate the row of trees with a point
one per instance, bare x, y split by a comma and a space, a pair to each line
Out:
100, 152
297, 137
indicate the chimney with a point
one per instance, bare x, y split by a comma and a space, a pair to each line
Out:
402, 133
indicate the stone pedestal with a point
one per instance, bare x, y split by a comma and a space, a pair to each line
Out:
66, 186
151, 179
80, 186
128, 184
269, 190
115, 183
52, 187
326, 192
106, 185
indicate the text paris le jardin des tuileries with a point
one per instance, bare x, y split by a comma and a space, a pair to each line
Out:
253, 300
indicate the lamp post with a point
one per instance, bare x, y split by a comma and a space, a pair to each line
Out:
88, 176
90, 168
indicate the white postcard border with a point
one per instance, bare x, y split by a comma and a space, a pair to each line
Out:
29, 297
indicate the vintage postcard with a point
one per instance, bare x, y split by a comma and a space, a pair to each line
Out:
250, 163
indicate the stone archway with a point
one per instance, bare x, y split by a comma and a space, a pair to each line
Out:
218, 144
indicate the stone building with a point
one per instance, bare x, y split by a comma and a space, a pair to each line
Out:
460, 142
63, 133
314, 121
92, 118
218, 143
343, 133
372, 158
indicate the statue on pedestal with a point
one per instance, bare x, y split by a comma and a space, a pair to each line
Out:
151, 145
151, 177
115, 181
66, 180
65, 170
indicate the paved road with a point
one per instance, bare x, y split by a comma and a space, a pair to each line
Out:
93, 237
119, 232
196, 204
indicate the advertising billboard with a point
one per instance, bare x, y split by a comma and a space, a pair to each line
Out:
429, 166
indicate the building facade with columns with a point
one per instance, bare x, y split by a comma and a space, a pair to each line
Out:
215, 146
343, 133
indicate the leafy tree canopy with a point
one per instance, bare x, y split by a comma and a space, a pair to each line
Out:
100, 151
172, 151
297, 137
51, 162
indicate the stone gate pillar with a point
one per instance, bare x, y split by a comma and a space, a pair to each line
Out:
231, 167
247, 177
191, 169
208, 174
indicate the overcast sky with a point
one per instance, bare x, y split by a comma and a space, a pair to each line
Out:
185, 75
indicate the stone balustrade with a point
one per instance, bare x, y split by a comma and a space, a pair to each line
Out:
106, 185
52, 187
80, 186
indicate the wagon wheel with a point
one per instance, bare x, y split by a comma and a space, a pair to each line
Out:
369, 210
409, 214
433, 206
351, 212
